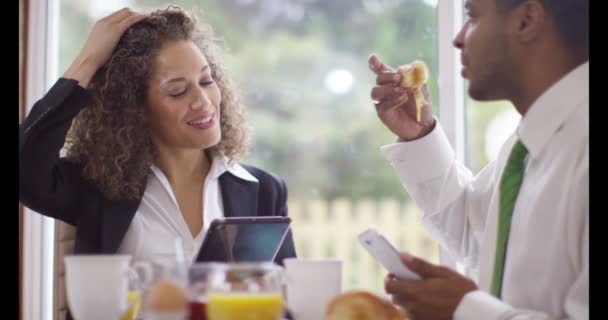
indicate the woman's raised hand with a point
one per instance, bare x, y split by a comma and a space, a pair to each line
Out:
101, 42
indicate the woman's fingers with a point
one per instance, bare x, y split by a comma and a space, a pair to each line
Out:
118, 16
131, 20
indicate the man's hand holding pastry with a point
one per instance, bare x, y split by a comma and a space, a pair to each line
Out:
406, 111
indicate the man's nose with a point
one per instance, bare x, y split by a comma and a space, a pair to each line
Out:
458, 41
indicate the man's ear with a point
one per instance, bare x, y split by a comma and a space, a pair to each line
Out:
527, 21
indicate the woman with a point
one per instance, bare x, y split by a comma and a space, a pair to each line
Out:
152, 128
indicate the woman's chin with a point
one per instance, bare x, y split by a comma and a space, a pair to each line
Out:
210, 143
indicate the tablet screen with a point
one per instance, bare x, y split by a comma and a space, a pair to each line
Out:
244, 239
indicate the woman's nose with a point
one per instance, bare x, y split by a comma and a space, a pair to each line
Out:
201, 100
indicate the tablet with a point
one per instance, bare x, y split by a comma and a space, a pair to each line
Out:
243, 239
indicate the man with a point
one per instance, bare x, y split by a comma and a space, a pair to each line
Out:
524, 219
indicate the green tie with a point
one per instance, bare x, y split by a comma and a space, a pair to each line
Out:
510, 182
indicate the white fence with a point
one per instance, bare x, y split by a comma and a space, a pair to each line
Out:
329, 230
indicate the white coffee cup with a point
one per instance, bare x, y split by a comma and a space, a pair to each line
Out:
311, 284
97, 285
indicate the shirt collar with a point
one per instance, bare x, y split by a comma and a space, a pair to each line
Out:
552, 108
219, 166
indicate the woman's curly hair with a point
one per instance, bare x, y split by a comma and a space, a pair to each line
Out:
110, 137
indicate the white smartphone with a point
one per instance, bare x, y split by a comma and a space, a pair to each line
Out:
386, 254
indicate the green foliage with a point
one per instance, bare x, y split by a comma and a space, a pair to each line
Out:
279, 53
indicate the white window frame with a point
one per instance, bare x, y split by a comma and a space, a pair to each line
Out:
39, 231
451, 90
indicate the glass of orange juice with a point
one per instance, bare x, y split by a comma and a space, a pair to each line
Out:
246, 291
134, 301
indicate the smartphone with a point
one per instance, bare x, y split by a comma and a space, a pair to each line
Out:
244, 239
386, 254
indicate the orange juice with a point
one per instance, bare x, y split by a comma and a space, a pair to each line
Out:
244, 306
132, 313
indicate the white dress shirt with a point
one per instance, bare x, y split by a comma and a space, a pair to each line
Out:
546, 273
158, 221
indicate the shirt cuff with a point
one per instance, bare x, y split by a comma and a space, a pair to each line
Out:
421, 159
480, 305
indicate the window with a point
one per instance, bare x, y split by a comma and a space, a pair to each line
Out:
302, 70
38, 231
489, 124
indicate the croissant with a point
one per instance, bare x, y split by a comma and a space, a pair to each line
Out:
413, 76
362, 305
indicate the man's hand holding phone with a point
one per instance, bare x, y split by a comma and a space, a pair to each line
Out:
425, 290
385, 253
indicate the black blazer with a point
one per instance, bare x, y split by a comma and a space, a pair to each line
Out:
54, 187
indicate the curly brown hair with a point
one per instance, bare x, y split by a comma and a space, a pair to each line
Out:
110, 137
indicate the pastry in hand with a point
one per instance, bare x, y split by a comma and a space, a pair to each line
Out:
414, 76
363, 305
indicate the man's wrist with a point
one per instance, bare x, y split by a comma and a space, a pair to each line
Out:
479, 304
424, 132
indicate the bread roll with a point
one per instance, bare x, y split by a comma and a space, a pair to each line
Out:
362, 305
414, 76
167, 295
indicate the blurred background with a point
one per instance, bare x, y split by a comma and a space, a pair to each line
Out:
301, 66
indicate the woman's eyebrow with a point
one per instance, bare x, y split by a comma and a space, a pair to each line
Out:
178, 79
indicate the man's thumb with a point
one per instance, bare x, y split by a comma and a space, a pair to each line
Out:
422, 267
376, 65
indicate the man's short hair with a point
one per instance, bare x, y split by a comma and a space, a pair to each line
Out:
570, 16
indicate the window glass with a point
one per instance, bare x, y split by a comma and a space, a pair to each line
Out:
301, 66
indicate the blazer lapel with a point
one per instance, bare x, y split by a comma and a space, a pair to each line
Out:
239, 197
116, 218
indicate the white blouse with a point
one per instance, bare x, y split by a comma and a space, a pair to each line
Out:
158, 221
